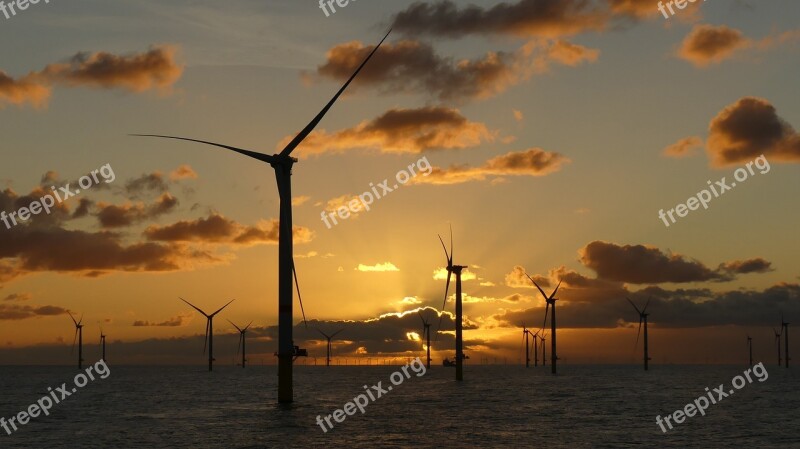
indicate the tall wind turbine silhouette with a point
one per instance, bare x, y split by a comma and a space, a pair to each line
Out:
785, 331
329, 348
642, 319
282, 164
242, 340
750, 349
209, 339
459, 312
778, 343
551, 300
426, 334
535, 348
79, 337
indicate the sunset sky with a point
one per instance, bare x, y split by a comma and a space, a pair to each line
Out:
555, 131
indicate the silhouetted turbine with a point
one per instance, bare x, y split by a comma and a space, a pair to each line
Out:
778, 343
750, 349
426, 334
103, 342
242, 341
642, 318
329, 347
785, 327
79, 337
551, 300
525, 335
282, 164
459, 312
209, 338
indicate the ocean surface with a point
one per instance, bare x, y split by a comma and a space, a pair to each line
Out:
495, 406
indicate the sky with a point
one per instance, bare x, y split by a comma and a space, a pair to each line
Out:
558, 139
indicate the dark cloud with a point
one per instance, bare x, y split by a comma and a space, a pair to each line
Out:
530, 162
20, 312
414, 67
176, 321
524, 18
639, 264
18, 297
709, 44
749, 128
757, 265
218, 229
116, 216
147, 183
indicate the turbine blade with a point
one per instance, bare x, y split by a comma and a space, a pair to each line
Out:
638, 334
646, 305
247, 327
74, 339
324, 334
237, 327
537, 286
446, 254
220, 309
451, 243
634, 306
334, 334
239, 348
255, 155
546, 309
444, 304
313, 124
300, 298
205, 341
556, 290
73, 318
194, 307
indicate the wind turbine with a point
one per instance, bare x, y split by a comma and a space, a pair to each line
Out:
643, 318
282, 164
785, 327
242, 339
426, 333
79, 337
525, 335
329, 347
750, 347
459, 313
209, 339
103, 342
778, 342
551, 300
535, 348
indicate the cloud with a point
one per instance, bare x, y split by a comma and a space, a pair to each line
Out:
146, 183
518, 115
117, 216
640, 264
749, 128
136, 72
531, 162
709, 44
756, 265
440, 274
525, 18
402, 131
300, 200
18, 297
380, 267
414, 67
218, 229
517, 279
13, 312
28, 89
180, 320
683, 148
182, 172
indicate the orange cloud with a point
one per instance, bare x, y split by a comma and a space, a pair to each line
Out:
709, 44
218, 229
531, 162
683, 148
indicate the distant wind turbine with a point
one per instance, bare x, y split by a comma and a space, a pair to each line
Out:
282, 164
459, 313
778, 343
785, 327
544, 349
642, 319
209, 338
750, 349
329, 347
551, 300
103, 342
535, 348
526, 333
426, 334
79, 337
242, 341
